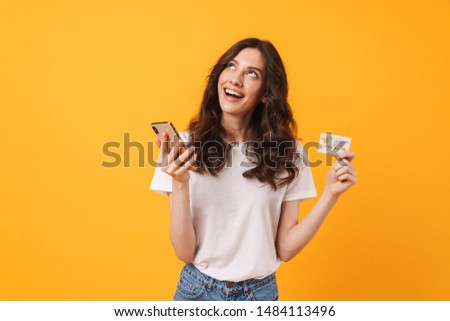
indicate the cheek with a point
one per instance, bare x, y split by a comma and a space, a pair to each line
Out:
223, 76
254, 89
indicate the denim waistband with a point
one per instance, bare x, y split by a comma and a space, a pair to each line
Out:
228, 286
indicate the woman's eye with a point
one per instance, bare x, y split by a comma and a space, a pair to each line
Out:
252, 73
231, 65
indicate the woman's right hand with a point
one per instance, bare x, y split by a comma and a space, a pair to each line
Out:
177, 161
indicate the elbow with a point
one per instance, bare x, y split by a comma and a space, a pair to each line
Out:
184, 250
285, 257
185, 255
186, 258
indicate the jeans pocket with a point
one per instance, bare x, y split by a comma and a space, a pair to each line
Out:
267, 292
189, 288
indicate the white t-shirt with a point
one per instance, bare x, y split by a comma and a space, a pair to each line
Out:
236, 218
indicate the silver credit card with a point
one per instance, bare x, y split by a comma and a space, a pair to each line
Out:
332, 144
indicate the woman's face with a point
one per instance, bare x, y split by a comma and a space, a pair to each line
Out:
240, 83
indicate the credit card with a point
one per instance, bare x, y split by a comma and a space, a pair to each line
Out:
332, 144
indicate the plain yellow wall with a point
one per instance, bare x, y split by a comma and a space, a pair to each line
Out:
77, 74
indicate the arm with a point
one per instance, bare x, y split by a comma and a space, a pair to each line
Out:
293, 236
182, 234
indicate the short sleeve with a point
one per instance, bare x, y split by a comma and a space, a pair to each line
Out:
302, 187
161, 181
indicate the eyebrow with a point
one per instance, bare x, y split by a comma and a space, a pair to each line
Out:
250, 67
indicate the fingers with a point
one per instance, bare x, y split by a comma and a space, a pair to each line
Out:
164, 145
347, 177
347, 154
344, 169
176, 150
184, 159
342, 164
187, 165
185, 156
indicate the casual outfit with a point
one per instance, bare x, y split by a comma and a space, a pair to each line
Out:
235, 221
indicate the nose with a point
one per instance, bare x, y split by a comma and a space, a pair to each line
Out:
235, 81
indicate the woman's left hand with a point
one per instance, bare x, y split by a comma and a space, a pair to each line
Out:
342, 174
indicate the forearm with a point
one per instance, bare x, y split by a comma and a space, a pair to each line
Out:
301, 233
182, 233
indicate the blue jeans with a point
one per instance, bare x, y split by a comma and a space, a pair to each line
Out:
193, 285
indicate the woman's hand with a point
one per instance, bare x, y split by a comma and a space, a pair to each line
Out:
177, 161
342, 175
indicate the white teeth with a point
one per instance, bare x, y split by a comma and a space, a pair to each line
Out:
232, 92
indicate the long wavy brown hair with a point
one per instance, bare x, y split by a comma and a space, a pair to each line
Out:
270, 137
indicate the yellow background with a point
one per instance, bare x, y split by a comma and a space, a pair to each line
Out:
77, 74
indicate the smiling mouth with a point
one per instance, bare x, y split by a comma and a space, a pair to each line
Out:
232, 93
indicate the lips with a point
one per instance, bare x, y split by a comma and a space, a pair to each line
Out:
233, 94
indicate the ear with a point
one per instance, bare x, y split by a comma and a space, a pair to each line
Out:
264, 99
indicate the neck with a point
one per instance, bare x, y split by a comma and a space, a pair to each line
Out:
235, 127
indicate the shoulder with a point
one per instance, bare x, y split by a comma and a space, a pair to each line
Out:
298, 145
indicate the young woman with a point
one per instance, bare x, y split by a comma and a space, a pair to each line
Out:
235, 187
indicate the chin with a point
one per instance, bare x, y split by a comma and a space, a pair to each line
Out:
230, 110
